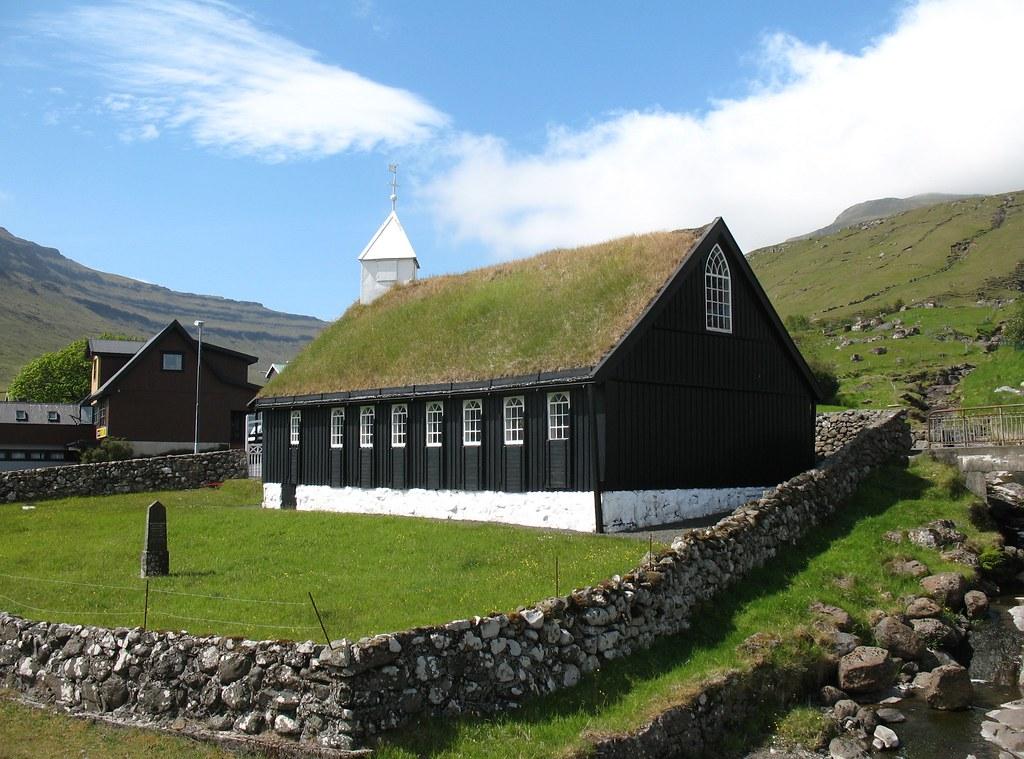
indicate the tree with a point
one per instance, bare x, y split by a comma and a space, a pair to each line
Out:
63, 376
58, 377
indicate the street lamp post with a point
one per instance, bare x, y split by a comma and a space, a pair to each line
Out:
199, 364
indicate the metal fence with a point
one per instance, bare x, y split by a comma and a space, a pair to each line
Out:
977, 425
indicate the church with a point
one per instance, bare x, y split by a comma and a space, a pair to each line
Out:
638, 382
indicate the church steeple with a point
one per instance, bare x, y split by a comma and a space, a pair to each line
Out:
388, 259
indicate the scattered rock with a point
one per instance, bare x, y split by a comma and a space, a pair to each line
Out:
844, 708
885, 738
847, 748
934, 633
922, 608
830, 695
834, 615
866, 669
908, 567
976, 604
890, 716
947, 588
949, 688
900, 639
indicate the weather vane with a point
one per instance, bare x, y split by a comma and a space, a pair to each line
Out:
393, 168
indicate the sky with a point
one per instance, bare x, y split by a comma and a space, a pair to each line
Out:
241, 148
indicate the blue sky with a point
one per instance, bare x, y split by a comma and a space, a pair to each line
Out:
241, 149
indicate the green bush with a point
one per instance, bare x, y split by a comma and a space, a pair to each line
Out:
825, 375
110, 449
1014, 330
797, 323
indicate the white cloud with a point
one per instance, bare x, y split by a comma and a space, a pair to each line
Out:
928, 107
208, 68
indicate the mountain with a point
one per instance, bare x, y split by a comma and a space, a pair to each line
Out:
880, 208
957, 252
48, 300
903, 306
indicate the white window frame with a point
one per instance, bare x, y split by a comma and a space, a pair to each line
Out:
717, 292
367, 418
514, 423
294, 427
399, 425
20, 415
472, 426
558, 418
435, 424
338, 427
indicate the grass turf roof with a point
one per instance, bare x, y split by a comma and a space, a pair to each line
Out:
564, 309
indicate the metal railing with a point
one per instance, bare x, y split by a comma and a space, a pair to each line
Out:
977, 425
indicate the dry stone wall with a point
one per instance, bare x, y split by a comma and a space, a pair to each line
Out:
834, 430
338, 696
131, 476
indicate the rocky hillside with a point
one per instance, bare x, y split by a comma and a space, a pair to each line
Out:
905, 306
955, 253
48, 300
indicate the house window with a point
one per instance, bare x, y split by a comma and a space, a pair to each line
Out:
337, 428
173, 362
558, 416
101, 414
295, 422
515, 420
399, 424
21, 416
435, 424
366, 416
718, 292
36, 455
17, 455
53, 416
472, 422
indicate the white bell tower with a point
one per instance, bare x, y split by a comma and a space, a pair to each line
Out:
388, 259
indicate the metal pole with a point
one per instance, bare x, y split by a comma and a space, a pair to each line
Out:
199, 366
145, 613
556, 574
320, 620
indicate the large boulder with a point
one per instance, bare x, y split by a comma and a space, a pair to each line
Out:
900, 639
866, 669
949, 688
947, 588
833, 615
935, 634
845, 747
922, 608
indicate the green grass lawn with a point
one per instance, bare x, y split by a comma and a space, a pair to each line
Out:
841, 563
368, 574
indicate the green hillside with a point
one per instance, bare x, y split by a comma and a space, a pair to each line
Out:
47, 301
937, 281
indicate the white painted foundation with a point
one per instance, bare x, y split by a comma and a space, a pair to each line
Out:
564, 510
637, 509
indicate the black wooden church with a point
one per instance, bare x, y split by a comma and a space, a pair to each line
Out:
565, 384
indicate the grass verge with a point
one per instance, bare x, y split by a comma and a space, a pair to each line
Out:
842, 563
368, 574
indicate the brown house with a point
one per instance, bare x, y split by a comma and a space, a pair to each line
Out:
34, 435
146, 392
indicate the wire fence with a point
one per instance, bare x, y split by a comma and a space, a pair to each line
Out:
144, 608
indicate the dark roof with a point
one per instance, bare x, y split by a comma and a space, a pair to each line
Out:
39, 413
497, 327
174, 326
114, 347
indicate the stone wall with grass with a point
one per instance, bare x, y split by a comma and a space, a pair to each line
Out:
340, 695
131, 476
834, 430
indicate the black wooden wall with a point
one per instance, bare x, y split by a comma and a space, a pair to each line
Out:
687, 408
537, 464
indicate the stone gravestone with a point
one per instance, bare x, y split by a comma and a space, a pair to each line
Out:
155, 561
